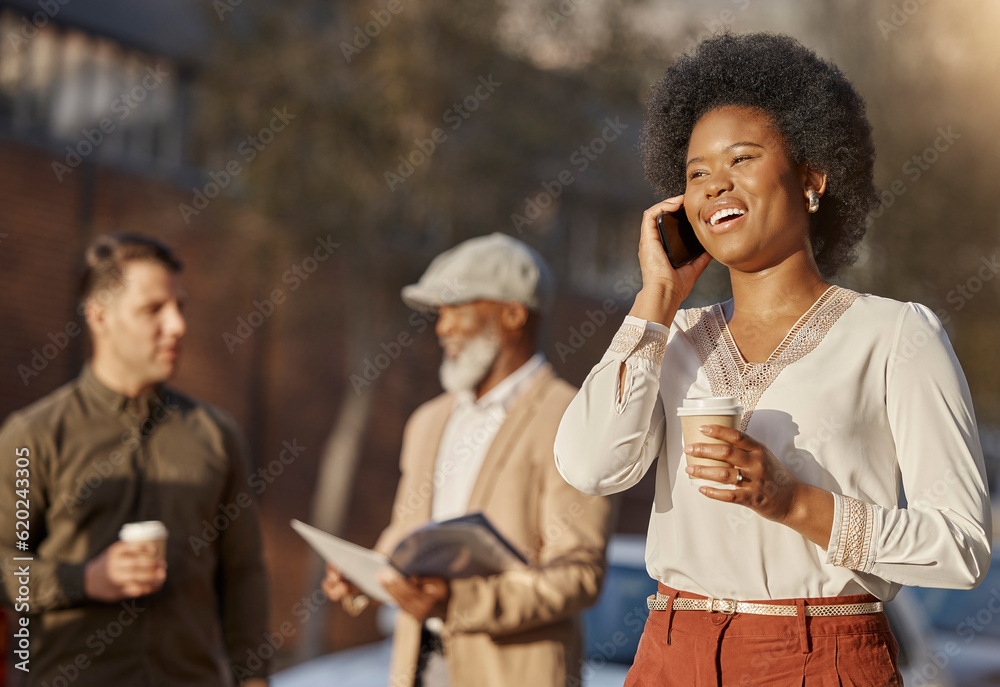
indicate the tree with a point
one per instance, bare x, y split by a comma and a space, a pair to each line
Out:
404, 128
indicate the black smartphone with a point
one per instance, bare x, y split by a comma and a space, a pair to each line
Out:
679, 240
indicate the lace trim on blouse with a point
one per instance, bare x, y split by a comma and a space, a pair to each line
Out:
854, 540
640, 342
729, 374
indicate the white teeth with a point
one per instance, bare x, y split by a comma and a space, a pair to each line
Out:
725, 212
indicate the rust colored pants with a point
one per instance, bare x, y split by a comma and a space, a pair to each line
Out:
698, 648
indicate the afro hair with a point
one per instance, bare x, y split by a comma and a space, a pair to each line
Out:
809, 102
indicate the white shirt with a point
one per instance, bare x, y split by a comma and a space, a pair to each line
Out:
863, 397
471, 428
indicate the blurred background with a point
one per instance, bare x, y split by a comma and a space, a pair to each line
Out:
307, 159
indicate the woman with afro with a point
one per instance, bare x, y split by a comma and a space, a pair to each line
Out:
855, 467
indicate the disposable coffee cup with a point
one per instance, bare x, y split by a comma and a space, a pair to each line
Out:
149, 531
695, 412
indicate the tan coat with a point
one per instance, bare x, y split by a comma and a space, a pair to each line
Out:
517, 628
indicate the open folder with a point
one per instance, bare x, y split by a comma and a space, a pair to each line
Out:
461, 547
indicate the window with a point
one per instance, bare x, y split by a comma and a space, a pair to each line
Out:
92, 98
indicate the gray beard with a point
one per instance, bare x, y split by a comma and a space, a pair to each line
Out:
470, 367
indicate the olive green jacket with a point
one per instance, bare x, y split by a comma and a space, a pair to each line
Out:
95, 462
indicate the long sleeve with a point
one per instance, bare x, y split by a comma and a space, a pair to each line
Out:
942, 537
53, 584
565, 579
241, 580
614, 427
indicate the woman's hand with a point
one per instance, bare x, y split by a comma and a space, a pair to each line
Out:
762, 484
663, 287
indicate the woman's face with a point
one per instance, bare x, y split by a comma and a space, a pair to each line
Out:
745, 198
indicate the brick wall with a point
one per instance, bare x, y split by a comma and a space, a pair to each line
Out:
285, 382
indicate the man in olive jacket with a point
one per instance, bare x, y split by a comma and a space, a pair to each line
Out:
486, 445
114, 446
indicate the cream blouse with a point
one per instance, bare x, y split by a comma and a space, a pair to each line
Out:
864, 398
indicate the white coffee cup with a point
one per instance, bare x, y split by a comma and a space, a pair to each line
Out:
712, 410
150, 531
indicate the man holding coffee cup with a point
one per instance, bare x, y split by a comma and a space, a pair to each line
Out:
125, 587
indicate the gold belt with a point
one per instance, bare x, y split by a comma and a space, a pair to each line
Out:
730, 606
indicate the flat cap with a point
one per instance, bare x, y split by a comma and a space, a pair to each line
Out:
496, 267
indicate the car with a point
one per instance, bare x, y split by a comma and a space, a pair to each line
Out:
966, 626
917, 642
614, 624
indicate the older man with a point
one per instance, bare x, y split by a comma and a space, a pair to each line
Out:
486, 445
115, 446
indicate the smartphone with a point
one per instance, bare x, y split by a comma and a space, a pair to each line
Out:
679, 240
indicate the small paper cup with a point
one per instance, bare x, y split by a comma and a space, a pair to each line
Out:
694, 413
149, 531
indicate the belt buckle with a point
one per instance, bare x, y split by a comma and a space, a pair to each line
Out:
725, 606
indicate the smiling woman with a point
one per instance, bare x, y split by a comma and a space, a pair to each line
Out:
815, 111
739, 147
774, 572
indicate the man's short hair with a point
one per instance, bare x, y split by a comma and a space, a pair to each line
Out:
108, 254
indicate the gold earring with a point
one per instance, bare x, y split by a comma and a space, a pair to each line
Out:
813, 201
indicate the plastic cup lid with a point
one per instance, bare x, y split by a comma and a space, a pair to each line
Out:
711, 405
143, 531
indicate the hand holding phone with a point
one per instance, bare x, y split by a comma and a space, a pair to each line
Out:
678, 238
662, 244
